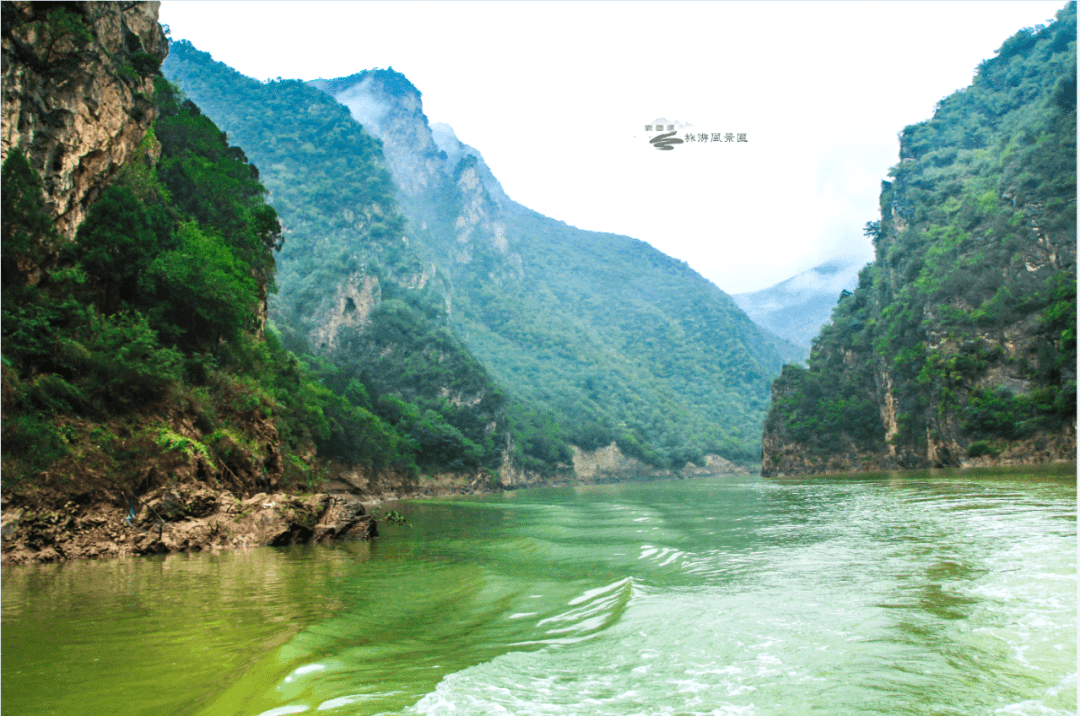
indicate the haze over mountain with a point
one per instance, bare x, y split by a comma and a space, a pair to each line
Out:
532, 111
797, 308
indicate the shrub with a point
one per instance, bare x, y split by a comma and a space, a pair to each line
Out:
981, 447
34, 440
126, 364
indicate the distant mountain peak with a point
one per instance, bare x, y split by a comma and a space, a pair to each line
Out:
796, 308
392, 82
833, 267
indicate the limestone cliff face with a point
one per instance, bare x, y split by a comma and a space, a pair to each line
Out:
351, 307
609, 464
77, 82
958, 347
456, 150
479, 226
980, 398
432, 167
389, 107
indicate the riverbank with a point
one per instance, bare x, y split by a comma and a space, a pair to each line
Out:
52, 524
601, 466
181, 518
46, 525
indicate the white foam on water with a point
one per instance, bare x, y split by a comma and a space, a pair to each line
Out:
554, 642
283, 710
874, 606
337, 703
675, 554
583, 625
303, 670
598, 591
1029, 708
578, 616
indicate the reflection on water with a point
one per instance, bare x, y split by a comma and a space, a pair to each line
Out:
157, 632
901, 593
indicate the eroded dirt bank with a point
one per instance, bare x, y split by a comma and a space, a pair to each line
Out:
181, 518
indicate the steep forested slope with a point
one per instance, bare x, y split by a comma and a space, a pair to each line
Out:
137, 256
618, 340
959, 344
155, 304
354, 299
608, 332
601, 337
149, 317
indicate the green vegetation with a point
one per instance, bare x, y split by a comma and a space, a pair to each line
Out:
975, 276
834, 398
621, 343
155, 310
64, 30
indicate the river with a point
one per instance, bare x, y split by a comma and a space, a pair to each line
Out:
899, 593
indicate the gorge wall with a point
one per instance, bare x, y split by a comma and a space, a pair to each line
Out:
958, 347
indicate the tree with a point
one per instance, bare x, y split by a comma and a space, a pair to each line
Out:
115, 245
28, 237
208, 294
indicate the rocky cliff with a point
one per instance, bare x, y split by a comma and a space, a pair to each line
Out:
454, 202
77, 83
141, 404
958, 347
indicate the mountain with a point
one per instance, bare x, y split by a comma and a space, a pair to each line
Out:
616, 339
595, 338
958, 346
795, 309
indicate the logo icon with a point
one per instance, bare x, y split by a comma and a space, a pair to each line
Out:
665, 141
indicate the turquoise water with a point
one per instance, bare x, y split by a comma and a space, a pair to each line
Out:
902, 593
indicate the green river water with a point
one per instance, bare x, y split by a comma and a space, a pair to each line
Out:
899, 593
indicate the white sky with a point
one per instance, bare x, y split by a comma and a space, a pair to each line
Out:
556, 96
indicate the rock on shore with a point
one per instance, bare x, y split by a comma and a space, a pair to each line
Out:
189, 518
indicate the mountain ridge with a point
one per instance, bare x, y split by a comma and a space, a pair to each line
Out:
492, 225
